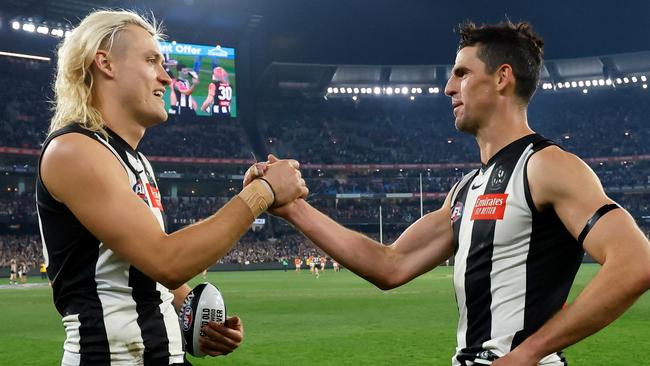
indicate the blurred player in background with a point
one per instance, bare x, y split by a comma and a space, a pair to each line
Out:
298, 263
118, 278
183, 89
219, 94
13, 266
517, 227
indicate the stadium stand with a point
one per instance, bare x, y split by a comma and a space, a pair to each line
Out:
607, 127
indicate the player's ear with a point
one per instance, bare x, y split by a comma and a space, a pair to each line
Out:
103, 63
504, 76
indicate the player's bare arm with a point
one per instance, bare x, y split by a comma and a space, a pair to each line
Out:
423, 246
88, 179
561, 181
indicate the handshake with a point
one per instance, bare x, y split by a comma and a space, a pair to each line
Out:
273, 184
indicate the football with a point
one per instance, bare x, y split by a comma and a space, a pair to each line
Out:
202, 305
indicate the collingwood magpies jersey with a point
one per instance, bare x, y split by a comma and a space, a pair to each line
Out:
514, 266
113, 314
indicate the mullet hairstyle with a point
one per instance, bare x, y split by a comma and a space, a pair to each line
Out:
73, 86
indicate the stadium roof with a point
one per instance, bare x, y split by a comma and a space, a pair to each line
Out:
314, 79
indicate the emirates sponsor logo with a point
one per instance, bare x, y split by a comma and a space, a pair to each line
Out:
490, 206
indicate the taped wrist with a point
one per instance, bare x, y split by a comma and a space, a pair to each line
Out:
258, 196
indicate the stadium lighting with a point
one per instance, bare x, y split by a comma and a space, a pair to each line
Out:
377, 90
608, 81
414, 90
645, 86
581, 83
430, 90
585, 91
601, 82
330, 90
29, 27
643, 78
15, 25
626, 80
412, 97
560, 85
404, 90
43, 29
356, 90
634, 79
398, 91
436, 90
354, 97
588, 83
419, 90
57, 32
389, 90
573, 84
618, 80
335, 90
349, 90
22, 55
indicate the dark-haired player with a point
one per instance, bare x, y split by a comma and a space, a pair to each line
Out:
517, 228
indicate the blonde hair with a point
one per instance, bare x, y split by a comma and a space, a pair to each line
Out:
74, 81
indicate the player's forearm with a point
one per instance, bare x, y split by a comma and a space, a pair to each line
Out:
360, 254
613, 290
202, 244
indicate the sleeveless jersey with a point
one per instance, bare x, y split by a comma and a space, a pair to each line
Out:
514, 266
113, 314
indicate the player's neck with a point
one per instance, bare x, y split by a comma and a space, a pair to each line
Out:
119, 122
500, 131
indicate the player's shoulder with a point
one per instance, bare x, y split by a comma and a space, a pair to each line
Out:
554, 159
555, 174
73, 147
76, 157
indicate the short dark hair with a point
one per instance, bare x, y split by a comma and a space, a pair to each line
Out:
507, 43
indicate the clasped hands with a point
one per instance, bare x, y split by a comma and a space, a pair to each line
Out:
284, 178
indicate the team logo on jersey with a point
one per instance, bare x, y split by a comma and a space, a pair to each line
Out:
139, 189
456, 212
490, 206
498, 178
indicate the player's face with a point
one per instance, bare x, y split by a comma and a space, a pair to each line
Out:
471, 89
141, 76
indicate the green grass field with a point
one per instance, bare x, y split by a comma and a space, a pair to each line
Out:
338, 319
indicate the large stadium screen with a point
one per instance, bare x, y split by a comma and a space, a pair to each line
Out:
203, 80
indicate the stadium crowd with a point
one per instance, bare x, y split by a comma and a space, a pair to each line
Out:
602, 124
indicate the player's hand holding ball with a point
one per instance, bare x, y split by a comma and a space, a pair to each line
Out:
206, 329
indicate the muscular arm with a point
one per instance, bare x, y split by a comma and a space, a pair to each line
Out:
423, 246
89, 180
615, 242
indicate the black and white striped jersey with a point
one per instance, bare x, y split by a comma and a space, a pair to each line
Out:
514, 265
113, 314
